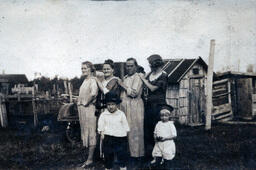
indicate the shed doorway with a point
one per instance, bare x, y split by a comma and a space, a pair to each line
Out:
197, 100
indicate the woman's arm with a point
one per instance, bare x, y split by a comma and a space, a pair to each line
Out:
94, 90
119, 81
136, 86
148, 84
103, 89
129, 91
99, 85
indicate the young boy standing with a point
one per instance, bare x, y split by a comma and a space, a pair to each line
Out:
113, 128
165, 131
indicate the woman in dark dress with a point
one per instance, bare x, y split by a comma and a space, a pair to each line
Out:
156, 84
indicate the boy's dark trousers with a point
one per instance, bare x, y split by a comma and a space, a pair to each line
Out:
114, 145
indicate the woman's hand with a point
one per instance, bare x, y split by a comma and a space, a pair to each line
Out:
147, 83
120, 82
131, 92
142, 76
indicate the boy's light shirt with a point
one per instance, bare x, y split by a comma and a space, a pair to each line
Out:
113, 124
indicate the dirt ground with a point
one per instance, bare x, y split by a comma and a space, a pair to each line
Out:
224, 147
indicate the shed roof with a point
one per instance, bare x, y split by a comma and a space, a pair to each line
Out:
177, 68
234, 74
13, 78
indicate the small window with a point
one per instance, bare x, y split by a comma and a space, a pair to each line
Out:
195, 70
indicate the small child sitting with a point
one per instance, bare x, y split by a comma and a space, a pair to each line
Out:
113, 128
165, 131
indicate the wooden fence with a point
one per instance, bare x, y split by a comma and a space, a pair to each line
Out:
222, 106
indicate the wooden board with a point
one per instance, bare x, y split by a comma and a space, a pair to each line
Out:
225, 108
244, 98
172, 93
253, 104
3, 113
222, 106
183, 92
196, 100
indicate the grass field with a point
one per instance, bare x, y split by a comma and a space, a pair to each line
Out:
224, 147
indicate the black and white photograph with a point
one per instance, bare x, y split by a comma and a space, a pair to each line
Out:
127, 84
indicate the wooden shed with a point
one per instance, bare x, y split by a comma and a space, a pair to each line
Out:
234, 95
186, 89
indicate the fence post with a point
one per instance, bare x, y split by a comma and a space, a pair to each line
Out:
34, 107
70, 92
209, 87
3, 112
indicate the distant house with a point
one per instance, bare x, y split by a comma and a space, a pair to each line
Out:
234, 95
8, 81
186, 89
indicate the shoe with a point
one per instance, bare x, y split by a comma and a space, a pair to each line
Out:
87, 165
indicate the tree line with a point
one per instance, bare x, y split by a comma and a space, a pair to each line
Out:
56, 84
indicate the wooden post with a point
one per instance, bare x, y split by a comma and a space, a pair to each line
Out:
70, 92
209, 87
230, 99
65, 87
3, 112
34, 107
58, 93
36, 88
54, 90
47, 95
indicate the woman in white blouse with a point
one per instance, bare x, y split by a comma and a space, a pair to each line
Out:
86, 110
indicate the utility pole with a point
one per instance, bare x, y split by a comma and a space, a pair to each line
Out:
209, 86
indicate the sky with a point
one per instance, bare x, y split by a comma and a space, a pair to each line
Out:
53, 37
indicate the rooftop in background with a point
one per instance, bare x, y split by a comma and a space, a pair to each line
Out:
13, 78
177, 68
235, 74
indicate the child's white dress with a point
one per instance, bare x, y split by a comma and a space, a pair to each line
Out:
165, 149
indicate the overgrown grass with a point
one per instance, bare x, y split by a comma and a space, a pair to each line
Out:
224, 147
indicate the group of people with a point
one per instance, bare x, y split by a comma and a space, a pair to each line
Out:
127, 120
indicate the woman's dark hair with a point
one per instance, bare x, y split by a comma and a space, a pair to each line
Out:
90, 65
133, 59
157, 63
109, 62
140, 69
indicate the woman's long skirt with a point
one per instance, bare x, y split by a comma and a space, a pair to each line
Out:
88, 125
134, 110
